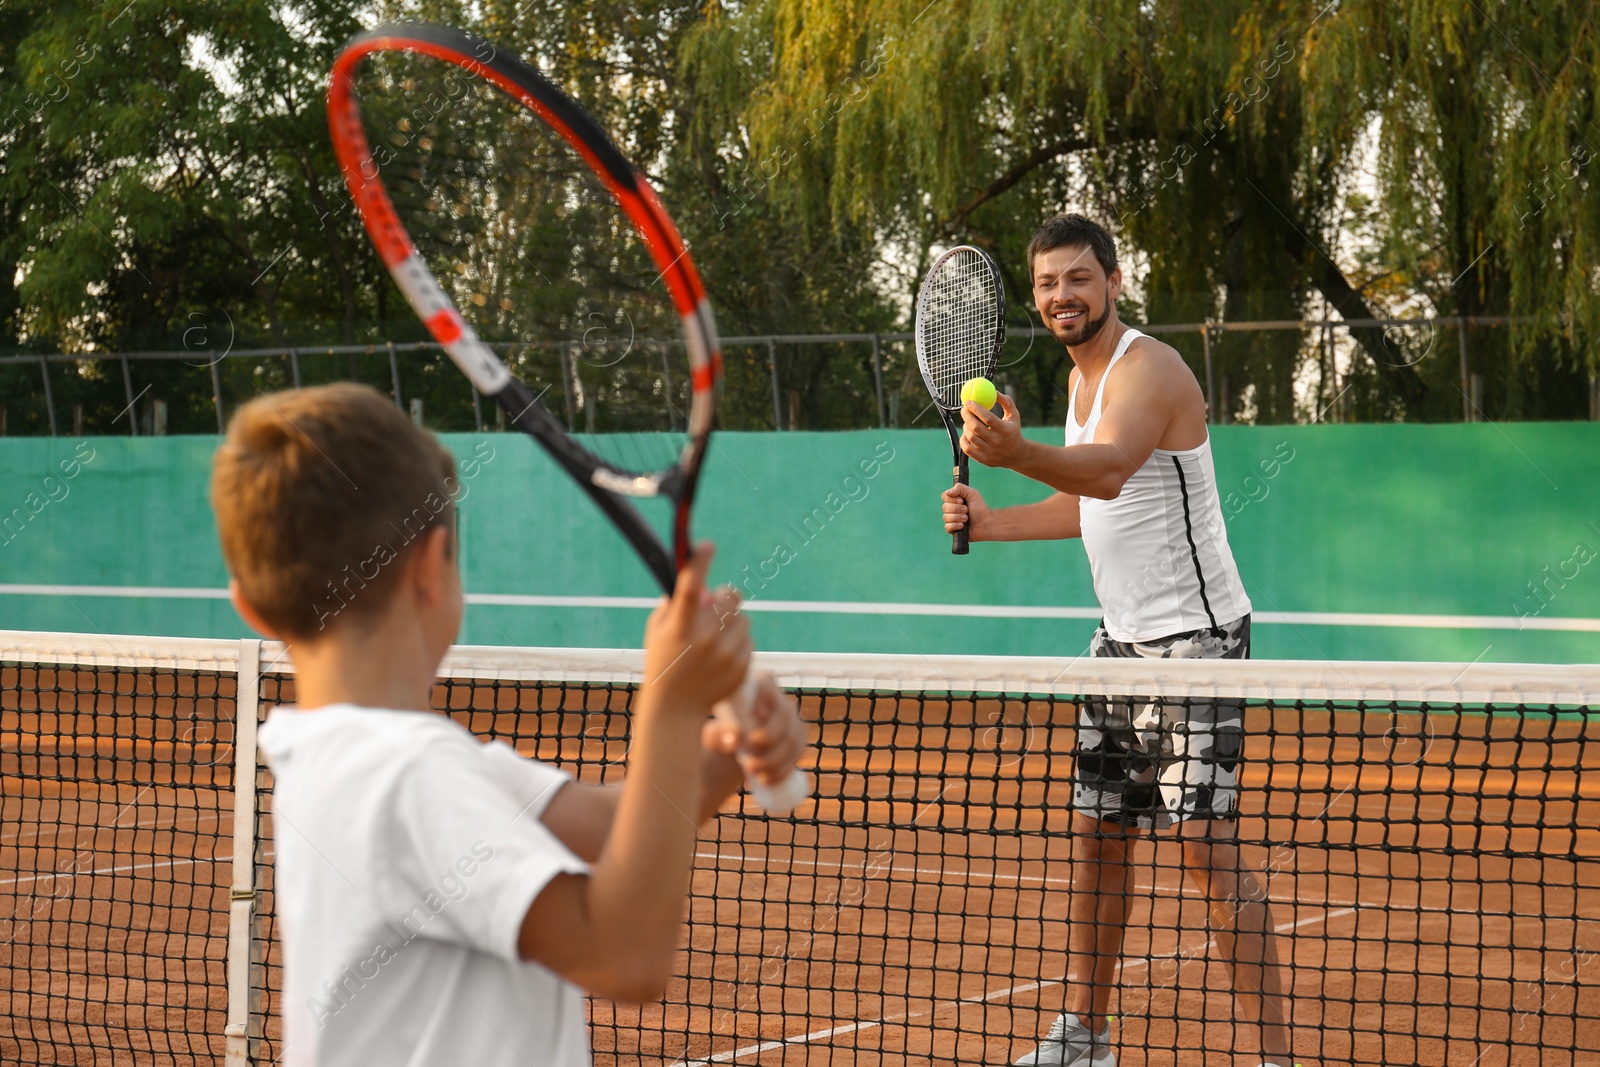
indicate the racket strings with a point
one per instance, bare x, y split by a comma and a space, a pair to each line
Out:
957, 322
534, 251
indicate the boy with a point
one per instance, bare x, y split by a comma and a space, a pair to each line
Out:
444, 901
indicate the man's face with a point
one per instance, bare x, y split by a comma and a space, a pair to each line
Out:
1073, 294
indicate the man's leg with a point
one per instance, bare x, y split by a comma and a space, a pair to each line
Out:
1241, 926
1097, 913
1113, 790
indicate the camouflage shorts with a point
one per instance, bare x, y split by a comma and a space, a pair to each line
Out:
1148, 763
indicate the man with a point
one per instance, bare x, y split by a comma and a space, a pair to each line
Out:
1135, 481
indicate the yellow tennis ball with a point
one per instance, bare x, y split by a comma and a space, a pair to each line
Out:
978, 390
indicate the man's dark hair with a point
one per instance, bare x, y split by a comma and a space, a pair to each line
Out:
1067, 230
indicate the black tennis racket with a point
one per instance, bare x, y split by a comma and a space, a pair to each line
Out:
486, 187
961, 327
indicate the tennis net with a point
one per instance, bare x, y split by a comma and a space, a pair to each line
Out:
1423, 834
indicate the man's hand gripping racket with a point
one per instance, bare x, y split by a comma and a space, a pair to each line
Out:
484, 186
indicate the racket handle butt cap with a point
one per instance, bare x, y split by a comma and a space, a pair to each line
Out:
782, 797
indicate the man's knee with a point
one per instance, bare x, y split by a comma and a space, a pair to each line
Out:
1101, 839
1223, 884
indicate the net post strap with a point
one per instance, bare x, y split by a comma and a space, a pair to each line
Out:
242, 1000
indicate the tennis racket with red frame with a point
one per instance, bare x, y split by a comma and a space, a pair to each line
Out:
485, 186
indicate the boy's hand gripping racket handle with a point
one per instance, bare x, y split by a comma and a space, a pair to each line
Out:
783, 797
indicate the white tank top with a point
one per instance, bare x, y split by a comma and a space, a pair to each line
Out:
1158, 552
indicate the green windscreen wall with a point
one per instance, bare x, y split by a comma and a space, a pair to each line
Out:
1462, 542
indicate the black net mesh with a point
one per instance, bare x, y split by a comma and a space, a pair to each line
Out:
116, 806
1430, 874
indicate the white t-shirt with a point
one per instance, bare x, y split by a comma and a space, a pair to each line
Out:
407, 854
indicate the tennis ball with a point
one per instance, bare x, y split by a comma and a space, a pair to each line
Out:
978, 390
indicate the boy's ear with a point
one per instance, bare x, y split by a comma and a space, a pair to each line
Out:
248, 612
429, 559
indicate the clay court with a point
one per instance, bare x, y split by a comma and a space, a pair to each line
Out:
1434, 878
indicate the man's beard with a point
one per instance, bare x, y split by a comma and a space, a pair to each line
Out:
1090, 328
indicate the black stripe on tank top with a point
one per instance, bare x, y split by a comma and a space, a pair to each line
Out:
1194, 553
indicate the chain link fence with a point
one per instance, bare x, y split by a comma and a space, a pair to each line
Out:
1301, 371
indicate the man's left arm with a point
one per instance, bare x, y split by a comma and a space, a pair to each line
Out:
1138, 406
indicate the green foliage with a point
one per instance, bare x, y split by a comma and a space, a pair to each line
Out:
1487, 128
1230, 144
166, 181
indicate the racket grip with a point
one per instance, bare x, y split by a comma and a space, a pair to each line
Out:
958, 539
779, 798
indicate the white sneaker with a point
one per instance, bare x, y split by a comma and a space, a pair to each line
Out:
1072, 1044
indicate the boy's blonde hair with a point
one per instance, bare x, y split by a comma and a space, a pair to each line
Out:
317, 491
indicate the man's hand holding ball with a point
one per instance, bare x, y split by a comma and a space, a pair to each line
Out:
994, 441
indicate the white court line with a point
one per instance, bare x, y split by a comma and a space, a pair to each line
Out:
857, 607
40, 828
183, 861
134, 592
1025, 987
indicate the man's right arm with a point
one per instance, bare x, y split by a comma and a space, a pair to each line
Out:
1054, 518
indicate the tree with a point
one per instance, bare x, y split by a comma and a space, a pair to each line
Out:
175, 182
1487, 126
166, 176
176, 172
1226, 142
